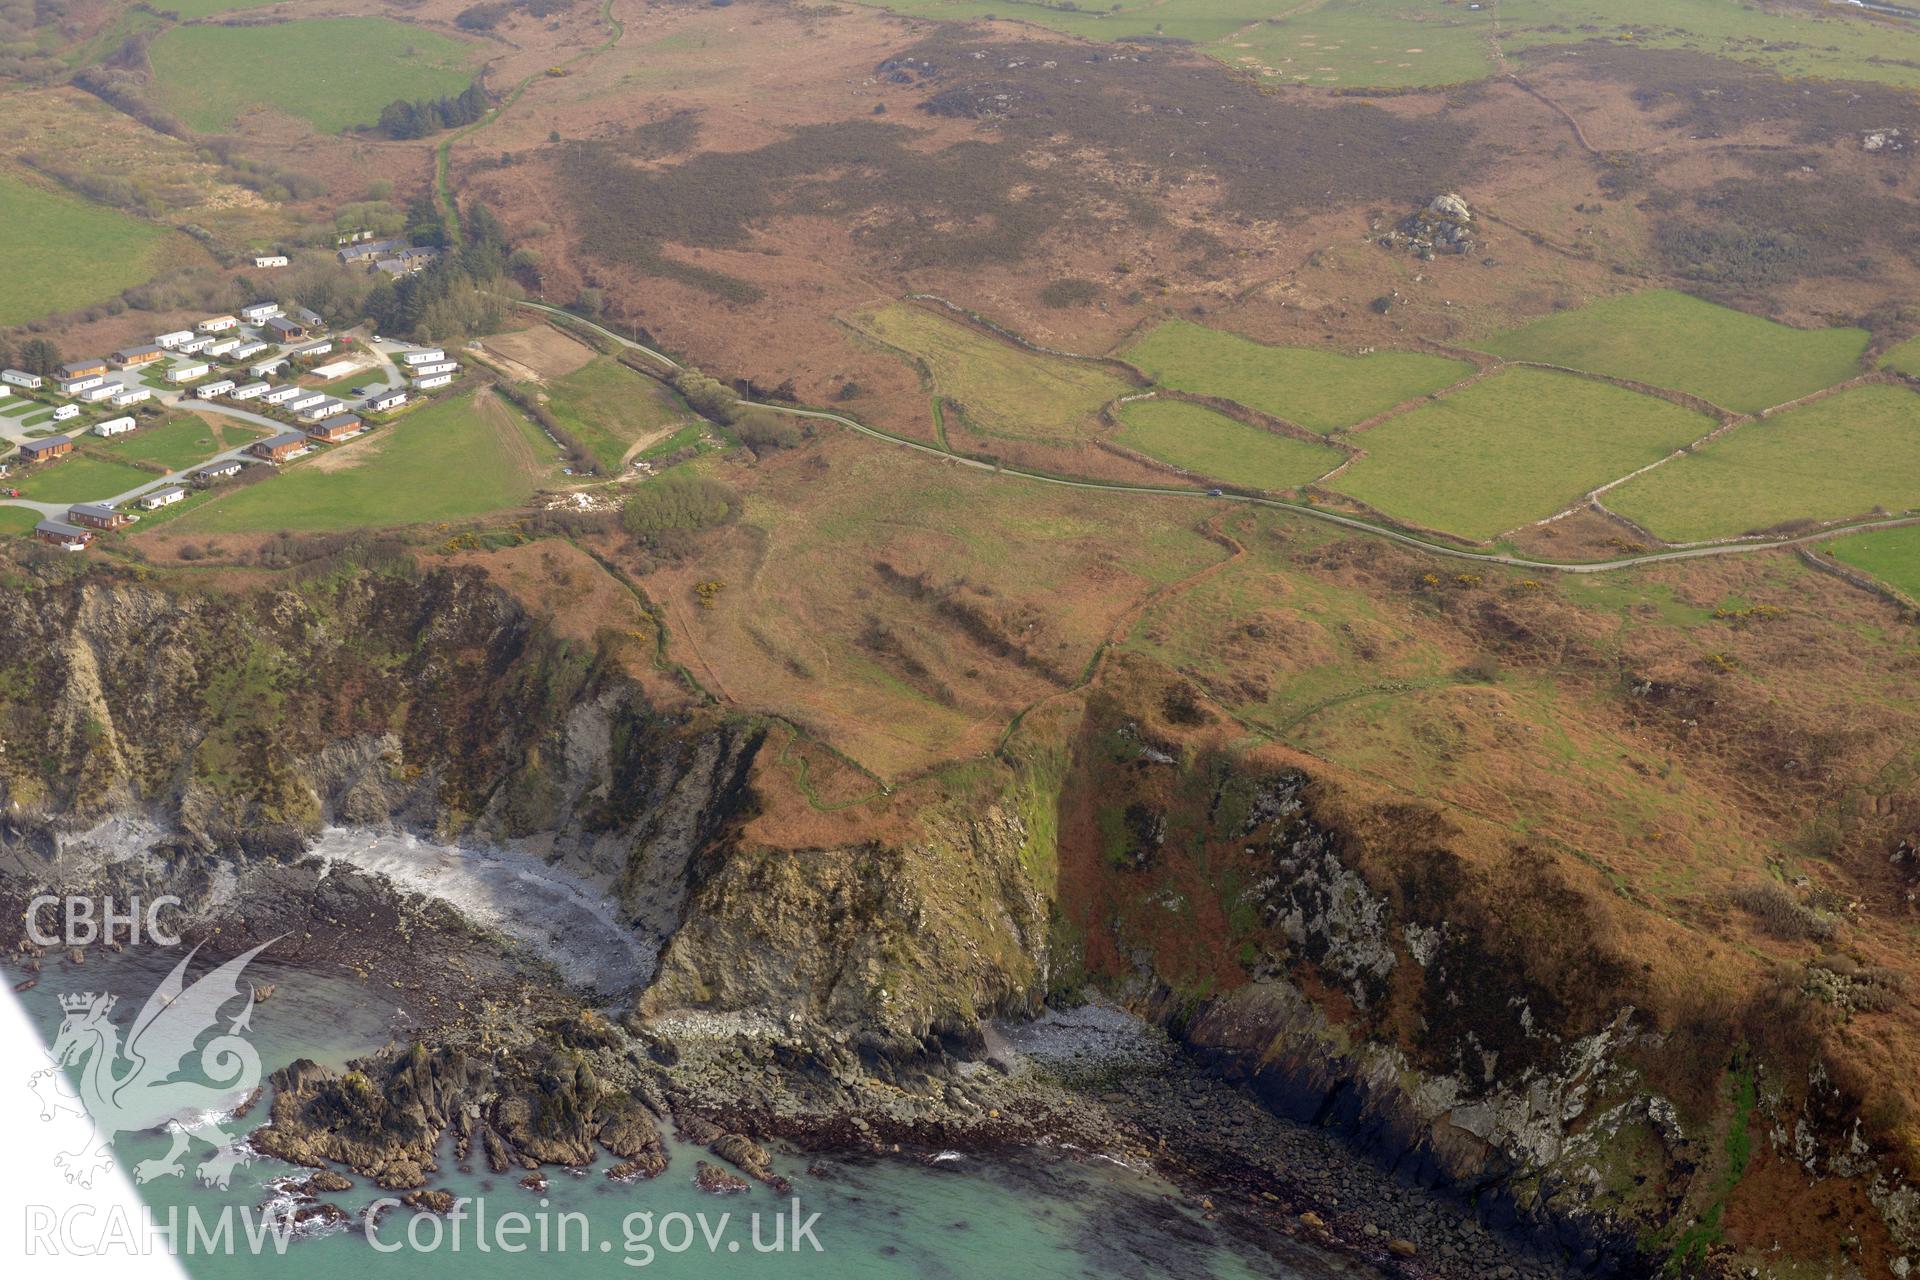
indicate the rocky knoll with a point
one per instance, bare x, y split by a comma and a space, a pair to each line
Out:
539, 1103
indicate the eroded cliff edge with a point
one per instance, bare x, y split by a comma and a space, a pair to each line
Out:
1473, 1010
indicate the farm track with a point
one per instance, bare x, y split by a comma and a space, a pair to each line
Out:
1329, 517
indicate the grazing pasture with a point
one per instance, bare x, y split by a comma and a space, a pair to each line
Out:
1843, 456
1388, 44
1512, 449
1673, 340
71, 252
1891, 555
1320, 390
1002, 389
1213, 445
334, 73
1904, 358
453, 460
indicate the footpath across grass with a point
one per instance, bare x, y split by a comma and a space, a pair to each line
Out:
1846, 455
1213, 445
1512, 449
1319, 390
1673, 340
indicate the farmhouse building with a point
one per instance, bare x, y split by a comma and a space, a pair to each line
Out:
163, 497
81, 368
406, 262
340, 426
216, 324
59, 533
285, 329
134, 357
174, 339
270, 260
432, 381
98, 515
186, 372
113, 427
66, 411
388, 400
45, 450
217, 471
21, 378
248, 391
371, 250
279, 448
132, 395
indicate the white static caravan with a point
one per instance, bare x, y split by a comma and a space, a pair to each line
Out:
132, 395
174, 339
248, 391
280, 395
429, 383
426, 355
216, 324
186, 372
113, 427
216, 388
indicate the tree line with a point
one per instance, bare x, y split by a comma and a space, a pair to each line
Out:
422, 116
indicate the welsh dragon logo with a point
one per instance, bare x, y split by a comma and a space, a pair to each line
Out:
141, 1086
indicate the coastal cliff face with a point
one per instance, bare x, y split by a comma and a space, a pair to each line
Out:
1465, 1009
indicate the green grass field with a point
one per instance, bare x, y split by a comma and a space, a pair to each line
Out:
608, 408
332, 72
1823, 41
1673, 340
1904, 358
1372, 43
18, 519
1512, 449
450, 461
1394, 43
80, 253
179, 443
1839, 457
1220, 448
78, 478
1004, 390
1320, 390
1891, 555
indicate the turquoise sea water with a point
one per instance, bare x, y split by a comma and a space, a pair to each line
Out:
1047, 1213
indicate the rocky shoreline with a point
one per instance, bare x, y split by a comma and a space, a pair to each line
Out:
495, 1029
